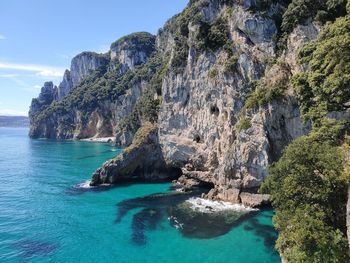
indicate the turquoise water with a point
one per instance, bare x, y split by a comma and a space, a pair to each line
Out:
45, 217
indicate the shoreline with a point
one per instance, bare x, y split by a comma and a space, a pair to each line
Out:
100, 139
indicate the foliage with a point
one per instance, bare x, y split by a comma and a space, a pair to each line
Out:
212, 37
325, 87
209, 38
270, 88
299, 11
308, 189
244, 124
107, 85
213, 73
261, 96
181, 47
142, 136
231, 64
139, 41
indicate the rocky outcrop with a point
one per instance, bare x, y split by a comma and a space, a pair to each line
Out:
84, 64
65, 86
79, 114
133, 50
215, 53
203, 104
47, 95
141, 160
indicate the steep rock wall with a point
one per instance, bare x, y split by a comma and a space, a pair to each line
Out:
69, 114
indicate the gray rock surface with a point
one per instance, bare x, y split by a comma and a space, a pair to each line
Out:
84, 63
198, 122
142, 160
104, 118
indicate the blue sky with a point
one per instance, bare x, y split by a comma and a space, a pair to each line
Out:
38, 38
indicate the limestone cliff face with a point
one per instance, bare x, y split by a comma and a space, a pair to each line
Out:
199, 105
73, 115
47, 95
214, 52
85, 63
132, 50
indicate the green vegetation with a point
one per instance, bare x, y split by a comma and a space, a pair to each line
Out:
107, 85
209, 38
325, 87
181, 23
212, 37
142, 137
261, 96
140, 41
213, 73
308, 188
269, 89
147, 106
231, 64
299, 11
244, 124
308, 185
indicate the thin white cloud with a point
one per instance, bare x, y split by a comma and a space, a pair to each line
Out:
39, 70
9, 76
2, 37
11, 112
37, 87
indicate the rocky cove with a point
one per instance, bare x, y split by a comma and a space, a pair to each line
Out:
181, 103
197, 131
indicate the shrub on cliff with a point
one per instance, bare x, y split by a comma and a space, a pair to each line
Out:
325, 87
299, 11
308, 188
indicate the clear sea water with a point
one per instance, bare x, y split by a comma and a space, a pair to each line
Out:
45, 217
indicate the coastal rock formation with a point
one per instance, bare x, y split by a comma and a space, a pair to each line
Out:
133, 50
141, 160
47, 95
84, 64
194, 79
95, 95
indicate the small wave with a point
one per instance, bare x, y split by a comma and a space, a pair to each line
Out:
84, 185
208, 206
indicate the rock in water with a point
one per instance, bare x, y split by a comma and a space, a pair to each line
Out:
141, 160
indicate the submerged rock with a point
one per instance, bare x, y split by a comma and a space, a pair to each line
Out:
204, 223
192, 216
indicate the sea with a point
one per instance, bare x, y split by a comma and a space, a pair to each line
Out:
48, 212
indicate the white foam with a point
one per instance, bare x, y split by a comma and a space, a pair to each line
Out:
85, 185
209, 206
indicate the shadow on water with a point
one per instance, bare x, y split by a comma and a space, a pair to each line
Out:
266, 232
97, 154
154, 201
190, 223
147, 219
29, 248
199, 225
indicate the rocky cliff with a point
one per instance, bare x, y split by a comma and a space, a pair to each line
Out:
96, 95
215, 98
227, 49
216, 80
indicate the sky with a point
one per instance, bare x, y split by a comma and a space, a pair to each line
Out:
38, 38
